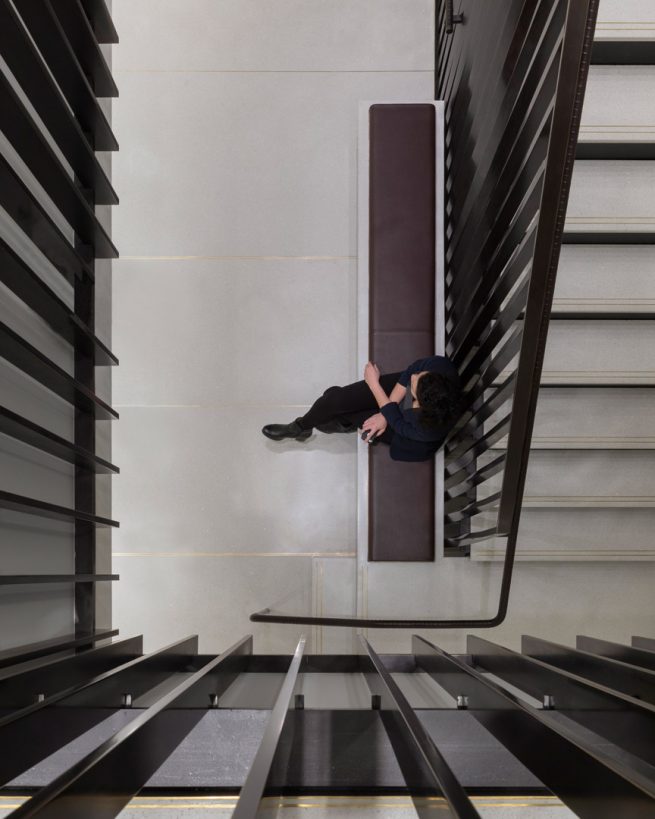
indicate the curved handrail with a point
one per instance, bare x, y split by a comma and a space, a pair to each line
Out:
571, 77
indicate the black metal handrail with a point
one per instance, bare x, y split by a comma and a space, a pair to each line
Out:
513, 78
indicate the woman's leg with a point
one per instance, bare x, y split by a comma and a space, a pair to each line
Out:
340, 402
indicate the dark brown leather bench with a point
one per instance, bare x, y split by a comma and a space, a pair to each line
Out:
402, 211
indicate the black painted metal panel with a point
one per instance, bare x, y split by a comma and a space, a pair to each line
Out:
28, 141
84, 44
254, 787
84, 704
32, 75
69, 642
591, 784
19, 689
623, 720
627, 654
415, 749
51, 40
619, 676
29, 433
37, 225
101, 784
32, 506
35, 364
100, 19
18, 276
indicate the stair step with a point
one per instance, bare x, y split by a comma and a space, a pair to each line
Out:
605, 280
582, 534
617, 122
631, 22
600, 351
617, 105
578, 418
611, 201
589, 501
586, 479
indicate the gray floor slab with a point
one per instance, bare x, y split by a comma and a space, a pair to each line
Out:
205, 480
290, 35
280, 180
221, 332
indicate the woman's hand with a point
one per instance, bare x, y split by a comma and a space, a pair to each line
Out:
375, 425
371, 374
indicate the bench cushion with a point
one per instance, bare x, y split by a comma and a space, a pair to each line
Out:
401, 311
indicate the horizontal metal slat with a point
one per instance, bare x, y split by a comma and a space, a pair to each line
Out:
26, 138
253, 788
100, 19
409, 734
32, 506
84, 43
34, 78
104, 781
21, 429
622, 720
31, 579
551, 750
17, 275
628, 654
34, 363
21, 688
84, 705
614, 674
68, 642
50, 38
37, 225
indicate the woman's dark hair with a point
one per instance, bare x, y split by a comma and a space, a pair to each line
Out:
440, 399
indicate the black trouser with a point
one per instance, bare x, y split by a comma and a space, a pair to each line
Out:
350, 405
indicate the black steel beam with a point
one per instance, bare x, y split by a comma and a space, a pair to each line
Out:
608, 237
104, 781
644, 642
606, 315
19, 277
29, 433
254, 787
39, 367
615, 651
69, 642
84, 44
27, 140
616, 675
37, 225
51, 40
623, 52
591, 784
20, 688
31, 579
415, 749
30, 71
28, 732
32, 506
615, 150
623, 720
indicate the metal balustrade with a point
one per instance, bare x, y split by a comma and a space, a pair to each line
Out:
547, 729
513, 77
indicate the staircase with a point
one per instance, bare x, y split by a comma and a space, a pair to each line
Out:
590, 492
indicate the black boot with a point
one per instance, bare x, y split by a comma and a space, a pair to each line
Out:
278, 432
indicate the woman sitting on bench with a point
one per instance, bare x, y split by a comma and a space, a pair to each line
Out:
417, 409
